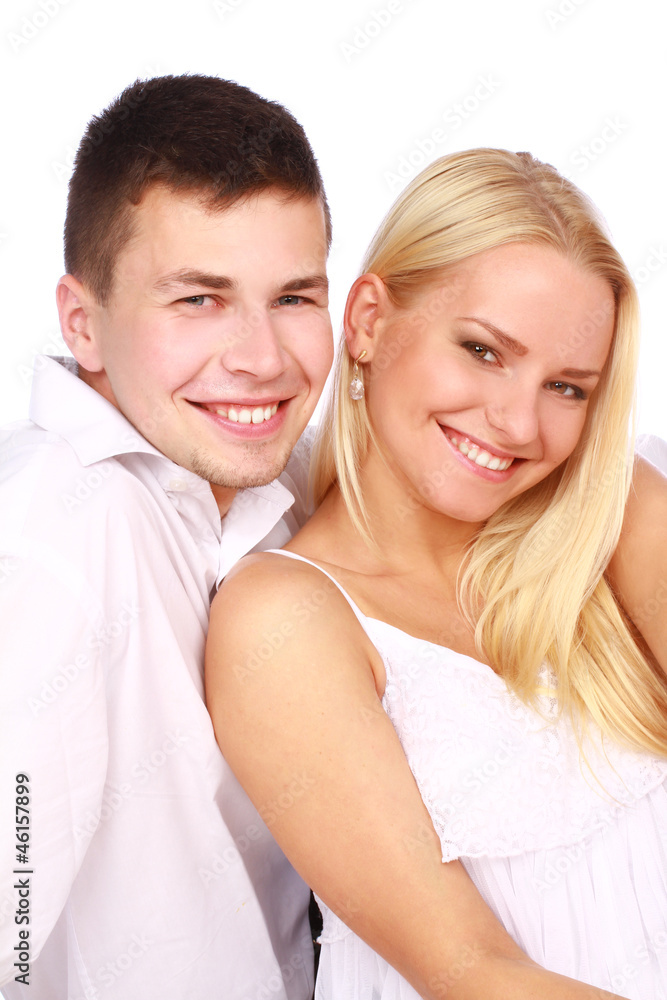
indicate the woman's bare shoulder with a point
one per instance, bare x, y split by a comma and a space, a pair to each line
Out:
638, 568
272, 580
646, 512
274, 606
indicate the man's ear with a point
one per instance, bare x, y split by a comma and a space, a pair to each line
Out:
77, 309
367, 308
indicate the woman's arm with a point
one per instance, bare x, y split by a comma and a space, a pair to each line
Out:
291, 688
638, 569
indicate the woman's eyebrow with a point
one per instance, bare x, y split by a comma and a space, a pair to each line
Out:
581, 373
504, 338
518, 348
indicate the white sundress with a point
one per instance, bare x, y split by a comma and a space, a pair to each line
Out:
571, 858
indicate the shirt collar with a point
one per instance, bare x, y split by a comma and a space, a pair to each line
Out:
252, 516
62, 403
96, 430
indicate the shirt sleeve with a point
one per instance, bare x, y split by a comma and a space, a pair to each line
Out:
53, 734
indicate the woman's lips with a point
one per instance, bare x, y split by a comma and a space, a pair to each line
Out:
481, 455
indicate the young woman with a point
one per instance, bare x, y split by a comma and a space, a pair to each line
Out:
462, 656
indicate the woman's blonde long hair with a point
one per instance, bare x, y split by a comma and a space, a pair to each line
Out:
532, 583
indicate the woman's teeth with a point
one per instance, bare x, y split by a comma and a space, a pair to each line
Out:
248, 414
479, 456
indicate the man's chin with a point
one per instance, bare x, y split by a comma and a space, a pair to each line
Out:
238, 477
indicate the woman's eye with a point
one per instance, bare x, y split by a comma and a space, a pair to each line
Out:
481, 351
565, 389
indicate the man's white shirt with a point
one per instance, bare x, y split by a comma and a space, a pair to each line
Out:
149, 872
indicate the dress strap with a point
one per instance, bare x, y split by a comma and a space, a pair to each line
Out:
362, 618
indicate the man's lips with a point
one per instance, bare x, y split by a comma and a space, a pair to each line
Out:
246, 412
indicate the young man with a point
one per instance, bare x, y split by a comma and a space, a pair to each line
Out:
195, 305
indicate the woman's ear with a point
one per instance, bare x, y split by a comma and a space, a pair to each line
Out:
77, 309
368, 305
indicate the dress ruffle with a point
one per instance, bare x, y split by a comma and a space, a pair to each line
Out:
570, 853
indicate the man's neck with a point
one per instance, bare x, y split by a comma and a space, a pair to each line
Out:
224, 495
99, 382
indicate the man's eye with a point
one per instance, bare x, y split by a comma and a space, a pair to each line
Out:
290, 300
195, 300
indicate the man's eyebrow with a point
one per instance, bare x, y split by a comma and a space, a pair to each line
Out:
314, 282
509, 342
190, 278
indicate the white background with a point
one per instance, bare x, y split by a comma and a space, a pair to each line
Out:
580, 83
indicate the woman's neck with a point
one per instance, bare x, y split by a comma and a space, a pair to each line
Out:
409, 535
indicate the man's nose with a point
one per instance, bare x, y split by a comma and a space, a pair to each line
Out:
251, 346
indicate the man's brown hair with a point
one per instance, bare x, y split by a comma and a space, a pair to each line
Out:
192, 134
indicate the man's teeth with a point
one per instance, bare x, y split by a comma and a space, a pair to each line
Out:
248, 414
479, 456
